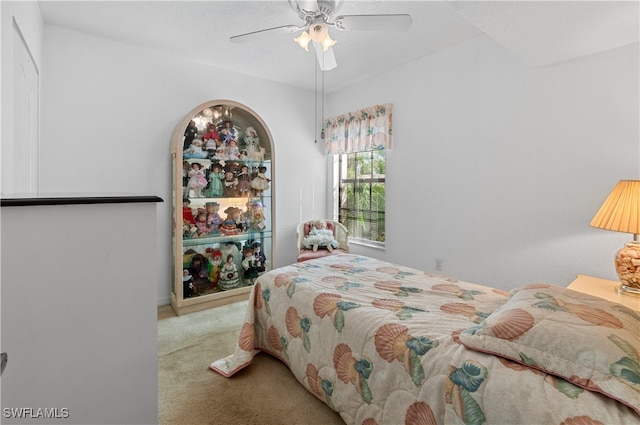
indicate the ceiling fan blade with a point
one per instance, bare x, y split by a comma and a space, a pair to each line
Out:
326, 60
250, 36
400, 22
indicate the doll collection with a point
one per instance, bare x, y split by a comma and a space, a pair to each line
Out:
224, 179
234, 166
222, 143
222, 267
219, 163
209, 221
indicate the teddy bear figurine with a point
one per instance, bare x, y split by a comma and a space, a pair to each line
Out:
320, 237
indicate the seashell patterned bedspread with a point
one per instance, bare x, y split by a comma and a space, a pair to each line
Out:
378, 343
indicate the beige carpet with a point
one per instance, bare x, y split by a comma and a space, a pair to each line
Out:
189, 393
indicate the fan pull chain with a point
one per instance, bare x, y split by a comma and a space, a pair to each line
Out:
322, 102
315, 103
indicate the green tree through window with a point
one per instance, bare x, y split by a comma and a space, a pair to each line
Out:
362, 195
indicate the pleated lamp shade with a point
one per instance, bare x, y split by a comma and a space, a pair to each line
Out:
620, 212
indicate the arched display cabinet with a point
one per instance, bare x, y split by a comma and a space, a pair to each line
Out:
223, 205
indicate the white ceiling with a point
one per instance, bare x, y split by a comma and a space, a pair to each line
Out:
540, 32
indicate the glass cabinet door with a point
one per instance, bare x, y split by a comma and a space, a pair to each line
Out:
222, 159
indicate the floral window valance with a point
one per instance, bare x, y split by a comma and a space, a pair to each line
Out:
364, 130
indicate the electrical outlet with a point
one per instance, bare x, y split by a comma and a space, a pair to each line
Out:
439, 262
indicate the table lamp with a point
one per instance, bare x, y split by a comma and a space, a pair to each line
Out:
621, 212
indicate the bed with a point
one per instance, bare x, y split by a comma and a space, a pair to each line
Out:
382, 343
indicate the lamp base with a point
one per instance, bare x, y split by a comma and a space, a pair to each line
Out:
627, 262
628, 290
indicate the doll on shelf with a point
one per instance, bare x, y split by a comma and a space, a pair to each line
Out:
241, 221
260, 183
189, 230
232, 150
200, 272
232, 166
254, 151
249, 266
228, 133
215, 264
214, 220
185, 175
195, 150
187, 284
255, 215
229, 225
197, 182
244, 181
211, 133
251, 139
231, 248
260, 258
320, 237
229, 278
220, 155
187, 212
190, 133
211, 146
230, 184
215, 188
201, 223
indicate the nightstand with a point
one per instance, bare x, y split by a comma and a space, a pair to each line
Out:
607, 289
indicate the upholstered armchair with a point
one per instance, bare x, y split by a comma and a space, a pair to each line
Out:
339, 233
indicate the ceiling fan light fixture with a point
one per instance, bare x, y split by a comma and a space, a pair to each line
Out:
318, 32
327, 43
303, 41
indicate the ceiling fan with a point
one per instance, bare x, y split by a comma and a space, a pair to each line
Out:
318, 15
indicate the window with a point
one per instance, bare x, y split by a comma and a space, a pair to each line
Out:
359, 139
361, 195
